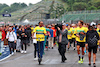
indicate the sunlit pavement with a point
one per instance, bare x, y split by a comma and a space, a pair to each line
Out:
50, 59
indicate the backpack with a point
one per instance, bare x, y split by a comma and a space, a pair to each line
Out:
92, 40
12, 34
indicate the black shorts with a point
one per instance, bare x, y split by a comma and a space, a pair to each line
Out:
70, 40
92, 48
81, 44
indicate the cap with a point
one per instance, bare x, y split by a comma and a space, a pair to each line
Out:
64, 24
92, 24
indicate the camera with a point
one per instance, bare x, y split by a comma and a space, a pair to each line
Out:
58, 25
81, 36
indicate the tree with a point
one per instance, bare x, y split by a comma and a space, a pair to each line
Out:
23, 5
30, 4
79, 6
92, 8
97, 4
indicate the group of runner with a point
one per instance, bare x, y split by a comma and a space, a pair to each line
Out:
47, 36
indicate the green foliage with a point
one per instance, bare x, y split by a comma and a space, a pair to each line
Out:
57, 11
92, 8
82, 4
13, 7
79, 6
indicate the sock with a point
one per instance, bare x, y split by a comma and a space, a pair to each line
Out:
79, 56
82, 56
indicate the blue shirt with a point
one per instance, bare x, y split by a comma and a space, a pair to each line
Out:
51, 32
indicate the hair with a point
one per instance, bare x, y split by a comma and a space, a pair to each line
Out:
81, 22
39, 22
99, 24
91, 27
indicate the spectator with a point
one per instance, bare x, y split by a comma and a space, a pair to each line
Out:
12, 38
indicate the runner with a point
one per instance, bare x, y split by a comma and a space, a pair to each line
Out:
73, 36
92, 38
80, 33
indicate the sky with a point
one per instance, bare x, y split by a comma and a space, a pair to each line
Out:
21, 1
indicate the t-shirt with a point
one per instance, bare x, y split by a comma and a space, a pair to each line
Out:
0, 34
77, 31
98, 30
51, 32
73, 30
32, 28
69, 34
40, 31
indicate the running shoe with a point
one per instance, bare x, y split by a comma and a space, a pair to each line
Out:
82, 60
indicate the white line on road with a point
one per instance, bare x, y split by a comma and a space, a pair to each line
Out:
5, 58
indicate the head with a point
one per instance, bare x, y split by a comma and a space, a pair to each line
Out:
23, 29
10, 29
69, 27
1, 28
98, 25
36, 25
80, 23
40, 23
73, 25
91, 28
64, 26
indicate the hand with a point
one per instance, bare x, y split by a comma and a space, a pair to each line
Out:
77, 35
33, 37
1, 39
58, 28
99, 41
17, 34
86, 45
15, 41
25, 35
82, 33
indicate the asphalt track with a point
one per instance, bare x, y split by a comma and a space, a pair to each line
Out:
50, 59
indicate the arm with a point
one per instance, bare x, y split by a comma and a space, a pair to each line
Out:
15, 36
7, 36
3, 35
63, 33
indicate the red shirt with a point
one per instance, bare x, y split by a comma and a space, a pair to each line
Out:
54, 31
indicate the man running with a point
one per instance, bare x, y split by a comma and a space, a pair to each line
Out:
80, 33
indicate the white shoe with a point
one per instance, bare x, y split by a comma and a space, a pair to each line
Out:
22, 51
15, 51
35, 59
25, 52
12, 53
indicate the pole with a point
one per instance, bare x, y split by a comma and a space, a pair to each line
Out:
85, 15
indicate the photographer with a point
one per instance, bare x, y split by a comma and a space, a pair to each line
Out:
62, 41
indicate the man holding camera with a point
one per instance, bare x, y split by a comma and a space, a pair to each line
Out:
62, 41
80, 33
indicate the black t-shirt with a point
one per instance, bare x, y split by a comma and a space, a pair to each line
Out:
19, 33
23, 35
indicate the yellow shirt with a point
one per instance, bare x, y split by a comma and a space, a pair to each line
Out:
98, 33
32, 28
77, 31
73, 30
40, 31
69, 34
